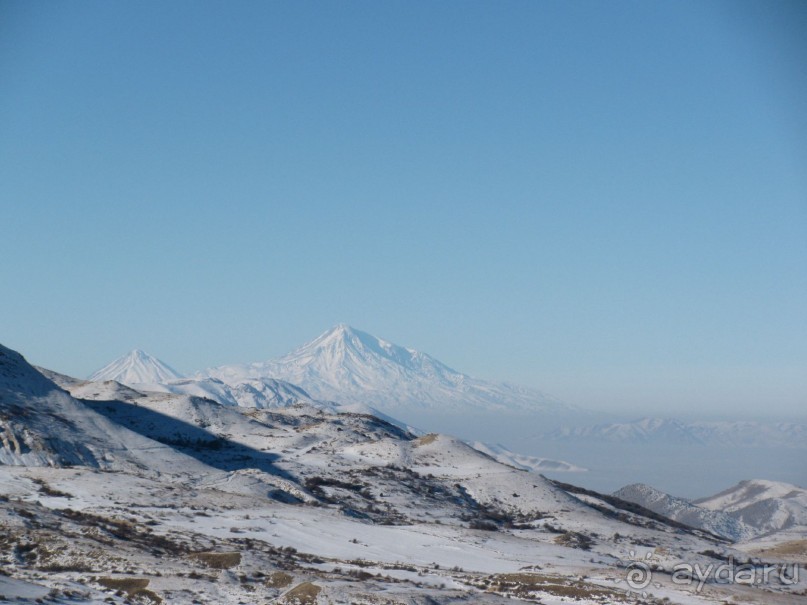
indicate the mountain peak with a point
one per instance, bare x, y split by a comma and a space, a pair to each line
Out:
355, 351
138, 354
348, 365
136, 367
344, 333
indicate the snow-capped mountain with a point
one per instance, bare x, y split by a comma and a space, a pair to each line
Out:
681, 510
767, 506
671, 431
350, 366
136, 367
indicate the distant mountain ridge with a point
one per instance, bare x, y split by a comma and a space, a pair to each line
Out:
769, 506
684, 511
750, 509
350, 366
744, 433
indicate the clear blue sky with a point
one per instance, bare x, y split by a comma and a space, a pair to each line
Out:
607, 200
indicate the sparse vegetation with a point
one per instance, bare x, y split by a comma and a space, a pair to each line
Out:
133, 588
527, 585
278, 579
198, 444
218, 560
483, 525
426, 439
47, 490
575, 539
302, 594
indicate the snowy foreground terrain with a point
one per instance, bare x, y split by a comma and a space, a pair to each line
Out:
114, 494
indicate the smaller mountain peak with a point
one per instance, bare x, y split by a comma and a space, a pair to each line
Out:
136, 367
138, 355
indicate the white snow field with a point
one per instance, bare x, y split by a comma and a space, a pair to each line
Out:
112, 494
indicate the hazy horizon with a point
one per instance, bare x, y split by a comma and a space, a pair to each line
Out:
590, 411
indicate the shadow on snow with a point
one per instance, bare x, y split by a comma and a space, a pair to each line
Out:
209, 448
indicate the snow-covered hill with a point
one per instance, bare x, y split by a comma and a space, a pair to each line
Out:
299, 504
678, 432
351, 366
251, 393
681, 510
767, 506
136, 367
42, 425
747, 510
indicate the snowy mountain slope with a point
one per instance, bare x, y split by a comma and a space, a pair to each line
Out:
318, 452
264, 393
301, 442
369, 468
136, 367
251, 393
767, 506
671, 431
714, 521
351, 366
347, 505
42, 425
143, 372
